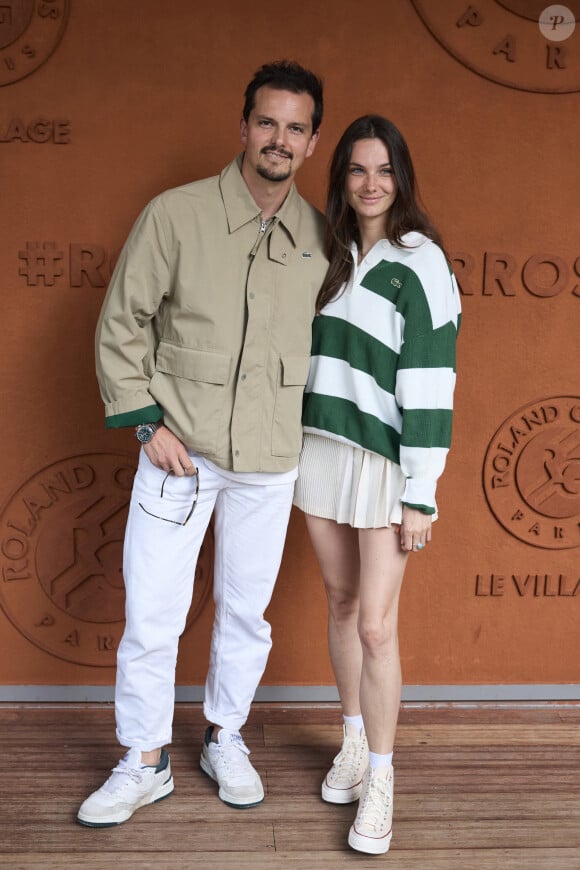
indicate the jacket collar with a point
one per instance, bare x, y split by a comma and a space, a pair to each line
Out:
240, 207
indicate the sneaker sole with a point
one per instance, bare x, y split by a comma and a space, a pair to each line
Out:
370, 845
341, 796
165, 791
223, 795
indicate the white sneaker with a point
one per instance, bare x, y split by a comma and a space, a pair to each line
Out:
228, 764
372, 829
343, 782
131, 785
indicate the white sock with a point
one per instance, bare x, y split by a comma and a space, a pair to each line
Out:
354, 722
376, 760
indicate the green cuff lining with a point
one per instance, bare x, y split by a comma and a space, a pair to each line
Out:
150, 414
425, 509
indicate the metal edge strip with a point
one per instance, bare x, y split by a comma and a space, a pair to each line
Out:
311, 694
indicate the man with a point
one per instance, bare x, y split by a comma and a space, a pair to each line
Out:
203, 345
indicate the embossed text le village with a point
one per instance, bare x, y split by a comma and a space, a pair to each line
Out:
530, 585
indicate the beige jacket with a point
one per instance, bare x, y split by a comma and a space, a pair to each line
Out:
207, 322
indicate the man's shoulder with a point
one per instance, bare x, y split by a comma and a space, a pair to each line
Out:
201, 191
310, 216
310, 210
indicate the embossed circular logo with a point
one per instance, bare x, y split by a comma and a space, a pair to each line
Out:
61, 546
531, 473
30, 30
516, 43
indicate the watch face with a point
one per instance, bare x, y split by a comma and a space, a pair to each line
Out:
145, 433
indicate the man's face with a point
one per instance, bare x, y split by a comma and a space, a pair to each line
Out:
277, 136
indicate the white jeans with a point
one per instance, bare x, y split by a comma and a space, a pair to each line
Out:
159, 567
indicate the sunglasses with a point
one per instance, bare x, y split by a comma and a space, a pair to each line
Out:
191, 510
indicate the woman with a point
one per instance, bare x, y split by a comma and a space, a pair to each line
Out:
377, 423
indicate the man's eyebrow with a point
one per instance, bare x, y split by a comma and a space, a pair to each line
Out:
302, 124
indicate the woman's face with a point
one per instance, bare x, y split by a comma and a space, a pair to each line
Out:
371, 187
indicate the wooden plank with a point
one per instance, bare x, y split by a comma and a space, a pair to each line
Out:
488, 735
322, 712
150, 830
557, 734
435, 835
456, 859
199, 806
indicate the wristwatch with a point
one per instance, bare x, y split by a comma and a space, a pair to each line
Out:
146, 431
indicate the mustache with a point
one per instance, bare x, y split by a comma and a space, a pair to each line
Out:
272, 149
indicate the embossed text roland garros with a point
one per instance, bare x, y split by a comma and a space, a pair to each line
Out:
531, 473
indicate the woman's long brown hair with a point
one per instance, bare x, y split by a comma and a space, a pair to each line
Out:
404, 215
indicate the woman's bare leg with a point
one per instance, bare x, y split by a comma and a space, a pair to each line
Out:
382, 565
337, 550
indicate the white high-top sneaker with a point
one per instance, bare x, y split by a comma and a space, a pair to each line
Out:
372, 829
343, 782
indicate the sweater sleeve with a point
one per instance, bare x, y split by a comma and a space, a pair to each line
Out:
124, 342
425, 379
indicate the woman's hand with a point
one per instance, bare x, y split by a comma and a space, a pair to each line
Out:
166, 451
415, 529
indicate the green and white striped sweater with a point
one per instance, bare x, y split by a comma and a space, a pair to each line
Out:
382, 372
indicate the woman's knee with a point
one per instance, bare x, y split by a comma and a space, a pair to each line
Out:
378, 637
342, 604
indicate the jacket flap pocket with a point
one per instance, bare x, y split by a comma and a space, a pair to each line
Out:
295, 370
195, 365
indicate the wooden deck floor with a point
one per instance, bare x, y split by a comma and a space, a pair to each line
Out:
476, 787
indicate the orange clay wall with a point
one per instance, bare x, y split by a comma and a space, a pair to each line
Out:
103, 104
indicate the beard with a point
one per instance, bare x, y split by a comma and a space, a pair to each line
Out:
271, 173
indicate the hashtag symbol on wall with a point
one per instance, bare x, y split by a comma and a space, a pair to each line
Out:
42, 263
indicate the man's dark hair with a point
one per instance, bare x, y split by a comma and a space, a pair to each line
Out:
286, 75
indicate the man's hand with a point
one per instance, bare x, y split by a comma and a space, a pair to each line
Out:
166, 451
415, 529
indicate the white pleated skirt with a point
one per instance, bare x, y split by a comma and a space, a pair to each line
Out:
348, 484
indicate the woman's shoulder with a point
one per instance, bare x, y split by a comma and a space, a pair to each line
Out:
434, 277
416, 245
427, 261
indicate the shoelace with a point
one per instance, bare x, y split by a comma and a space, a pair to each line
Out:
229, 757
377, 800
114, 783
348, 758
